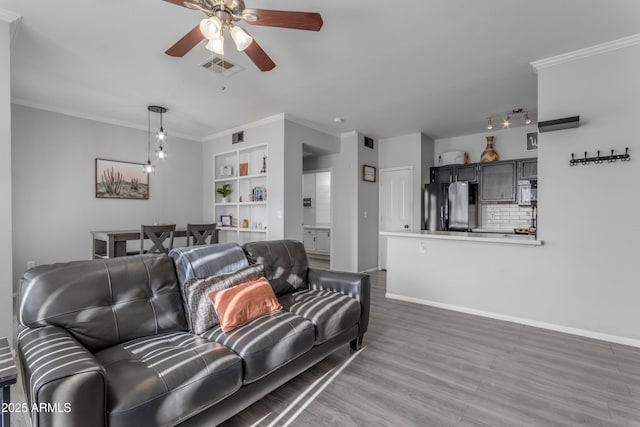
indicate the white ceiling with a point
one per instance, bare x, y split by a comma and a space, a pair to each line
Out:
388, 68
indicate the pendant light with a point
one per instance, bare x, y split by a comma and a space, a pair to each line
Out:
148, 168
161, 136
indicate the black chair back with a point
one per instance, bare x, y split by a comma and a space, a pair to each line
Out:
158, 234
197, 234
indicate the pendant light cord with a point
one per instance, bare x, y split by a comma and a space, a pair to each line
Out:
148, 135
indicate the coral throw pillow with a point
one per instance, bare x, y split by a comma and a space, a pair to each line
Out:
239, 304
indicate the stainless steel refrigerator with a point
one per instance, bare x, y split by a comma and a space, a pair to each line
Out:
450, 206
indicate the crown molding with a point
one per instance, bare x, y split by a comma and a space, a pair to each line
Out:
586, 52
261, 122
9, 16
79, 115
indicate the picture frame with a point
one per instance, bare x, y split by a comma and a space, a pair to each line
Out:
368, 173
225, 220
116, 179
532, 141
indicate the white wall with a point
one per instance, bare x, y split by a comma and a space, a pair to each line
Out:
270, 131
415, 150
284, 161
6, 279
584, 279
54, 204
367, 207
509, 143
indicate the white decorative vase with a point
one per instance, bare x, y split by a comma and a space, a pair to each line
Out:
225, 200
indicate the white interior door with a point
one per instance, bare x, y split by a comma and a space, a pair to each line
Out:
396, 205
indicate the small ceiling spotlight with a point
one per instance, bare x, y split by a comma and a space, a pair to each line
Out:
527, 120
507, 121
338, 120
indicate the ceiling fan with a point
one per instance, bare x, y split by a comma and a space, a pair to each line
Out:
223, 14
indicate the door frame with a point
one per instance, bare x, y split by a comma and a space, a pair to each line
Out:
411, 204
331, 196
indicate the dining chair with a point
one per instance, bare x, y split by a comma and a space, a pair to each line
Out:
198, 234
158, 234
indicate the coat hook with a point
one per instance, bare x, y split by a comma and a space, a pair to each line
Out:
585, 161
598, 159
611, 159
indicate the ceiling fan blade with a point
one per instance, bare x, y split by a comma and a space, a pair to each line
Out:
310, 21
176, 2
259, 57
186, 43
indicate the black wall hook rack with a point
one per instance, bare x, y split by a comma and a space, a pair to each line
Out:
598, 159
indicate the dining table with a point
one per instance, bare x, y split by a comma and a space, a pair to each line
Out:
113, 243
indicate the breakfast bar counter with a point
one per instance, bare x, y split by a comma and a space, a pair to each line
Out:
505, 238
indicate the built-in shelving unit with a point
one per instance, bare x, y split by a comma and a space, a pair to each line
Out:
244, 170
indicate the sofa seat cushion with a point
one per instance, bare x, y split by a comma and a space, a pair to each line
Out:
330, 312
166, 378
266, 343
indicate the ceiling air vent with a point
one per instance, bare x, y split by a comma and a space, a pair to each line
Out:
221, 66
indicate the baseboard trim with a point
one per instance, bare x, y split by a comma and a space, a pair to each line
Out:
550, 326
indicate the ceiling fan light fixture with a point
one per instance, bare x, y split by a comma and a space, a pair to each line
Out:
241, 38
211, 28
216, 45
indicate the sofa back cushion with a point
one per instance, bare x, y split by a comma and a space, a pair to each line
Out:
201, 316
104, 302
285, 263
195, 262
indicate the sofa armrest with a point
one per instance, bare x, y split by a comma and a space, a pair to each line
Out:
356, 285
62, 379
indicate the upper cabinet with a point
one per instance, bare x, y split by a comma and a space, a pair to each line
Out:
498, 181
528, 169
453, 173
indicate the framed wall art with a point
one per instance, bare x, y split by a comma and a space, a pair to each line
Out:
369, 173
121, 180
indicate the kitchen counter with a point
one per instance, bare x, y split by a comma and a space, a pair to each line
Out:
506, 238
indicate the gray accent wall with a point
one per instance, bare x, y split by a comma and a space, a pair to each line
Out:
54, 204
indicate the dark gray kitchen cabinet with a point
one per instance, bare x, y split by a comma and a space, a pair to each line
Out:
468, 173
447, 174
498, 181
528, 169
442, 175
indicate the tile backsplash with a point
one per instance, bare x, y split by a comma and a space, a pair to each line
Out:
505, 216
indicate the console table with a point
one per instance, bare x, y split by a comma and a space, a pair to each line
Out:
113, 243
8, 375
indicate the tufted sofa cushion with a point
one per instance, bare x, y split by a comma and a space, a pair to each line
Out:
285, 264
104, 302
163, 379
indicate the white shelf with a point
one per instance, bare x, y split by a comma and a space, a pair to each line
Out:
259, 175
255, 213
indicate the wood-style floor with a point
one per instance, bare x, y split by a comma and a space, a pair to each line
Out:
424, 366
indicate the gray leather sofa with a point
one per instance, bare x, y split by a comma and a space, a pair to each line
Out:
107, 342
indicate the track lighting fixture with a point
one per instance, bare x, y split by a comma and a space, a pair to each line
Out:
510, 118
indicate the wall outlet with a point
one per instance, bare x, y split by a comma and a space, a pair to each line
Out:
422, 248
30, 264
365, 214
